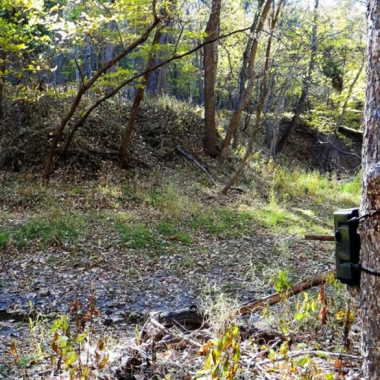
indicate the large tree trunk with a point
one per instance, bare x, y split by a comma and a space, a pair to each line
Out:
138, 99
210, 69
370, 227
306, 83
248, 87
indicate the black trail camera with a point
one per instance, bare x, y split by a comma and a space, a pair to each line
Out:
347, 246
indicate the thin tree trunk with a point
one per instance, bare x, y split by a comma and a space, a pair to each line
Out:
370, 226
261, 104
138, 99
126, 82
350, 90
244, 67
234, 122
85, 87
301, 103
210, 71
3, 58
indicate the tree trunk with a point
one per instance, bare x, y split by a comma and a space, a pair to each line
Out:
234, 122
138, 99
85, 87
301, 103
3, 58
370, 227
210, 71
261, 105
350, 90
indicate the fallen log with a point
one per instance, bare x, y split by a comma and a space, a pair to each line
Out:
196, 162
194, 317
320, 237
311, 282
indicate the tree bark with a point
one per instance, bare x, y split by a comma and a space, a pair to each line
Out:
138, 99
348, 97
301, 103
261, 104
370, 227
210, 71
234, 122
3, 58
126, 82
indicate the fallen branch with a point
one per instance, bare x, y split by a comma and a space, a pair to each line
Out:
340, 150
196, 162
194, 316
320, 237
254, 306
177, 335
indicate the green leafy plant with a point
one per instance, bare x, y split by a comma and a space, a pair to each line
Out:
222, 356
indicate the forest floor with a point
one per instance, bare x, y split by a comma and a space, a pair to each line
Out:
158, 237
151, 242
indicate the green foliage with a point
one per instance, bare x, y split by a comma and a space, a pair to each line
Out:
53, 230
169, 230
281, 281
138, 237
4, 239
222, 356
50, 229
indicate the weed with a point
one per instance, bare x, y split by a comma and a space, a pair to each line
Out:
170, 231
171, 203
138, 237
78, 191
50, 229
222, 356
4, 239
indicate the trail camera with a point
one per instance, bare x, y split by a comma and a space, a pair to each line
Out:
347, 246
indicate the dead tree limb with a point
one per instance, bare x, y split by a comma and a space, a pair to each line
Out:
320, 237
254, 306
340, 150
196, 162
194, 316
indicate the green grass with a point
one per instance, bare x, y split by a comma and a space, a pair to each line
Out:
4, 239
47, 229
138, 236
169, 230
315, 187
226, 221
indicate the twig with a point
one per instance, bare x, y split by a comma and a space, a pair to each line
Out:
339, 150
166, 331
196, 162
262, 352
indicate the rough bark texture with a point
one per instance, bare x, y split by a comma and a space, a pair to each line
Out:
3, 58
138, 99
210, 69
260, 108
370, 227
235, 119
300, 107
